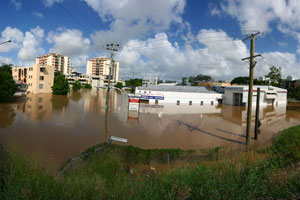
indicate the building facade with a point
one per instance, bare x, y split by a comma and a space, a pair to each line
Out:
269, 95
60, 62
99, 69
178, 95
38, 78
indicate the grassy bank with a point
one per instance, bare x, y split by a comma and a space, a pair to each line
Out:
117, 172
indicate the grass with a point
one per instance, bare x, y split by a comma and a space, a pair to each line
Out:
119, 172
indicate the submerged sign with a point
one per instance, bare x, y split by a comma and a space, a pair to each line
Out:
134, 103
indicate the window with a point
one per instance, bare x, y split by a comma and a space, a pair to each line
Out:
40, 99
41, 78
42, 69
156, 102
178, 102
212, 103
190, 103
201, 103
41, 86
40, 107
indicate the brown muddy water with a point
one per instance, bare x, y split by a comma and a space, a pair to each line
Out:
59, 127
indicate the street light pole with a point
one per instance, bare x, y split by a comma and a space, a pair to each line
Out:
5, 42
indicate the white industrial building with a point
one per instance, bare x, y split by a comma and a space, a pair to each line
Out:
178, 95
269, 95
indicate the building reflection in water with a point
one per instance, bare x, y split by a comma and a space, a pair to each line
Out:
94, 102
37, 106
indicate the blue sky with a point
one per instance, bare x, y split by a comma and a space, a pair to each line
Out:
169, 39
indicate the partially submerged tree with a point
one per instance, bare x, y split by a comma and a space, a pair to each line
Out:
61, 85
7, 86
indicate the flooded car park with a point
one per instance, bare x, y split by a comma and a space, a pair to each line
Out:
59, 127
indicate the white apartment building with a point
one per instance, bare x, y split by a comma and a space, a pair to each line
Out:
149, 81
60, 62
98, 69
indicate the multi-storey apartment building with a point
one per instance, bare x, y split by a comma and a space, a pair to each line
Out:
38, 78
99, 68
60, 62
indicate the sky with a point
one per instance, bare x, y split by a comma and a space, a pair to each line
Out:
168, 39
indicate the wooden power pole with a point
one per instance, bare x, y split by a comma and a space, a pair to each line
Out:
250, 90
110, 47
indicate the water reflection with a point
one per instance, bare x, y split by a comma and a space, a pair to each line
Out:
59, 128
75, 96
59, 102
7, 115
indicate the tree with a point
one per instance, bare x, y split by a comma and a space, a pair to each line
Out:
119, 85
296, 93
76, 86
275, 76
88, 86
7, 86
199, 77
61, 85
6, 68
241, 80
244, 80
183, 80
133, 83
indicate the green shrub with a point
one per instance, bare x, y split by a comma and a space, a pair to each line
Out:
61, 85
76, 86
287, 145
88, 86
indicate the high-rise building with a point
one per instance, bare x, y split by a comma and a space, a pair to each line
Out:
60, 62
98, 69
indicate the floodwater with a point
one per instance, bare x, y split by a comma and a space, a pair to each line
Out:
60, 127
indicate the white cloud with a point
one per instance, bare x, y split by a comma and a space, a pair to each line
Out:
282, 44
31, 46
131, 19
70, 42
38, 14
17, 4
13, 34
5, 60
49, 3
219, 57
259, 15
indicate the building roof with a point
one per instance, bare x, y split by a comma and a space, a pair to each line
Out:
262, 87
172, 88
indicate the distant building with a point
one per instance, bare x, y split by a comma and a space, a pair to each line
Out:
149, 81
38, 78
60, 62
269, 95
178, 95
289, 83
99, 68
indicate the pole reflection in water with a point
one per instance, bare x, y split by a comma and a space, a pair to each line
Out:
59, 127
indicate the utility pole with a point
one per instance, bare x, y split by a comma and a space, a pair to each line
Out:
257, 122
110, 47
250, 90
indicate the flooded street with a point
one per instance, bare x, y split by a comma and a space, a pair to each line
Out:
59, 127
